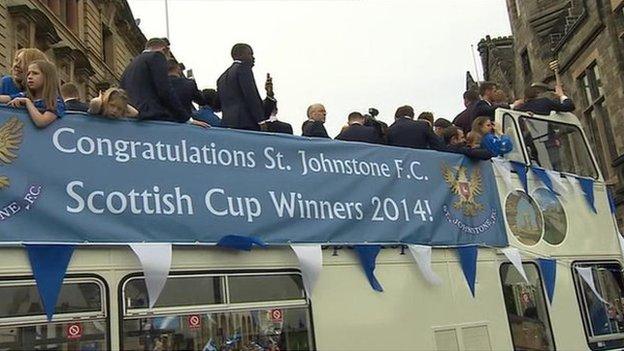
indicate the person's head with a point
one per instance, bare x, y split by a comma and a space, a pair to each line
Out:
487, 89
22, 59
440, 125
470, 97
158, 44
173, 68
404, 111
499, 97
427, 117
211, 99
42, 82
317, 113
454, 136
473, 139
243, 52
356, 118
482, 125
112, 103
70, 91
535, 91
373, 112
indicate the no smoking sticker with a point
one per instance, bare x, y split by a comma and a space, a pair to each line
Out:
194, 321
276, 315
73, 331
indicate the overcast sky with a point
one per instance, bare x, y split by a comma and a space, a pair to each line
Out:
347, 54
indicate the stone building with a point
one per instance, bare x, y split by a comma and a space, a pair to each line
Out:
587, 38
91, 41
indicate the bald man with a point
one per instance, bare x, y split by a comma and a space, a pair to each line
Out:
314, 127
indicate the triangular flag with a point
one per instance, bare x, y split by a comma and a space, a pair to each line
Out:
368, 255
311, 262
49, 264
555, 178
544, 178
513, 255
588, 276
503, 168
155, 259
611, 200
468, 261
239, 242
587, 184
422, 256
574, 184
548, 266
520, 168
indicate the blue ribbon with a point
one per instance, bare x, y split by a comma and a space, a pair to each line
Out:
367, 255
468, 261
239, 242
587, 184
49, 264
548, 266
544, 178
520, 168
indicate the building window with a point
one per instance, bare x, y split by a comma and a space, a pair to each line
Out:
597, 118
65, 10
108, 47
526, 308
526, 65
603, 320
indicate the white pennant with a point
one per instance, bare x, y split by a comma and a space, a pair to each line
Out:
156, 262
422, 256
503, 168
513, 255
588, 276
574, 183
311, 262
555, 177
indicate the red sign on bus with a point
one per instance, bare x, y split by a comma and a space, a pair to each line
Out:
194, 321
73, 331
276, 315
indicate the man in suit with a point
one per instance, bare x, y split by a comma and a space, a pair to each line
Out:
272, 125
464, 118
241, 103
148, 87
536, 102
456, 142
314, 126
405, 132
70, 95
185, 88
357, 131
486, 105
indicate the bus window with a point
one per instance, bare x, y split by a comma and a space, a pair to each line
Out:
80, 321
510, 129
557, 146
271, 314
604, 322
526, 308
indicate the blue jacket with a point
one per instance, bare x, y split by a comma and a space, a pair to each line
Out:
206, 114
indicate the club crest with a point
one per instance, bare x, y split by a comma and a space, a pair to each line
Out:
11, 135
465, 187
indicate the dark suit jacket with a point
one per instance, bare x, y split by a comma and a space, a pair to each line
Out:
76, 105
484, 108
465, 118
312, 128
279, 127
358, 132
187, 92
543, 106
147, 83
241, 104
476, 153
405, 132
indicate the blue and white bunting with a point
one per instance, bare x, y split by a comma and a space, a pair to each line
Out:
468, 262
544, 178
49, 264
558, 184
422, 256
311, 263
368, 255
548, 267
587, 185
155, 259
521, 170
588, 276
502, 167
513, 255
239, 242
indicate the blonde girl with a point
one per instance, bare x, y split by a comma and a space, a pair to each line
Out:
112, 103
15, 85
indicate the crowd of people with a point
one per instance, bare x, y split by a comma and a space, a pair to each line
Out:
153, 87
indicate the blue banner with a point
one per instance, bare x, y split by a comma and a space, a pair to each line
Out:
85, 179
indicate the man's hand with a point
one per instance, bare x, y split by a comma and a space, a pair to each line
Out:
268, 86
559, 90
200, 123
19, 102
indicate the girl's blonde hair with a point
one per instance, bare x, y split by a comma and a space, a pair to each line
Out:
50, 91
478, 123
111, 95
28, 56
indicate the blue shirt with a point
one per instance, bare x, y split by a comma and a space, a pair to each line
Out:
206, 114
60, 107
497, 145
8, 87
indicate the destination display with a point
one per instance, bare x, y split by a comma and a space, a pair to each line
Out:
85, 179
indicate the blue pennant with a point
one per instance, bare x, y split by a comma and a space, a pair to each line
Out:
368, 255
49, 264
548, 266
544, 178
468, 261
520, 168
611, 200
239, 242
587, 184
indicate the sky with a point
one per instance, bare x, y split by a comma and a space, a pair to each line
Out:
347, 54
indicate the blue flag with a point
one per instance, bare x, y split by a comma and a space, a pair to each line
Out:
468, 261
368, 255
49, 264
611, 200
520, 168
544, 178
548, 266
238, 242
587, 184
